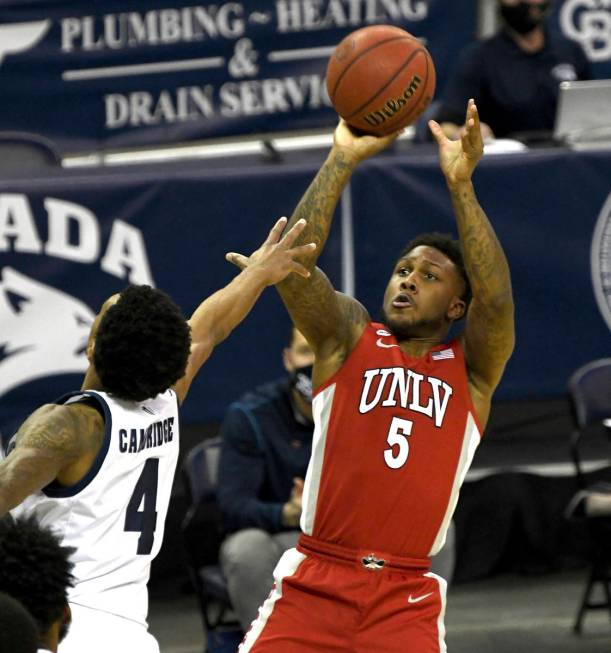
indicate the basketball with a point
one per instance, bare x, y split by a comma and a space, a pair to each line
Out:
380, 79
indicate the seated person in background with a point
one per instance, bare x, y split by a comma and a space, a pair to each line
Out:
18, 632
267, 442
36, 570
513, 76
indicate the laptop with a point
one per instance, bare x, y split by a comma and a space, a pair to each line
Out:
583, 115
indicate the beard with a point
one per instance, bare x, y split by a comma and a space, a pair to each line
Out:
404, 331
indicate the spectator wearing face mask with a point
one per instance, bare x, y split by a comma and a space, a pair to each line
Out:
266, 446
514, 76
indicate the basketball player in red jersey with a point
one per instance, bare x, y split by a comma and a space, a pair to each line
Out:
398, 415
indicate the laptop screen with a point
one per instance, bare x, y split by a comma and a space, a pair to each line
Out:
583, 114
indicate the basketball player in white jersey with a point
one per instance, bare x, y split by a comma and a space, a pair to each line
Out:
97, 465
398, 411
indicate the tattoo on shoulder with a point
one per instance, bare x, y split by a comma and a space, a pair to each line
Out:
355, 313
66, 430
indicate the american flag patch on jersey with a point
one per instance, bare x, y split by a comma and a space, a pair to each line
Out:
442, 355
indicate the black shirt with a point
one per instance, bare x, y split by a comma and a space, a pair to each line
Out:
514, 91
265, 444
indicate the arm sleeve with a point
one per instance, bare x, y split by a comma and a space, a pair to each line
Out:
242, 470
466, 81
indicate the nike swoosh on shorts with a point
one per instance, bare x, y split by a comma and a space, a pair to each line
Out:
417, 599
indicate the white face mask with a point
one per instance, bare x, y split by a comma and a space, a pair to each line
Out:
301, 380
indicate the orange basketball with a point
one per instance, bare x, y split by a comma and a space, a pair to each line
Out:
380, 79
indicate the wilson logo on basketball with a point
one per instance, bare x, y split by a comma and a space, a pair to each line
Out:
381, 79
393, 106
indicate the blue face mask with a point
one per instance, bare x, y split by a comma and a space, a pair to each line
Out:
521, 19
301, 380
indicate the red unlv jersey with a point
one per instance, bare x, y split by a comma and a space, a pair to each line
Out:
394, 436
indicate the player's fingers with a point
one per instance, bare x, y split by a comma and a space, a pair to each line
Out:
475, 115
476, 130
470, 103
437, 132
465, 139
291, 235
387, 140
299, 269
302, 249
276, 231
239, 260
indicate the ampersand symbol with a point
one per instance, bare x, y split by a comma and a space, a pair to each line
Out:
243, 62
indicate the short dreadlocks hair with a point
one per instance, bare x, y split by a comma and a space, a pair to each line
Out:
448, 246
35, 569
142, 344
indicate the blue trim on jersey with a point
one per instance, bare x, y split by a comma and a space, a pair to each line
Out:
56, 491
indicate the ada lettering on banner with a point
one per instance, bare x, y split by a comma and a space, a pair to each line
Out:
44, 329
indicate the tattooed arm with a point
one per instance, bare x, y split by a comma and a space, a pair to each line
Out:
489, 332
331, 321
55, 442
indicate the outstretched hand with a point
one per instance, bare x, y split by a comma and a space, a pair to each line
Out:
276, 256
360, 147
458, 159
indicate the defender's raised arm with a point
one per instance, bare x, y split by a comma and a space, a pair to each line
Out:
218, 315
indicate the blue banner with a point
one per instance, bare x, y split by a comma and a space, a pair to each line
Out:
70, 240
589, 23
112, 74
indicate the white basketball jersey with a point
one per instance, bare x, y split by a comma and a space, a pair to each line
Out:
114, 517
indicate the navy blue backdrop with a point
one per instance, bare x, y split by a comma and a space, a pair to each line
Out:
120, 75
70, 240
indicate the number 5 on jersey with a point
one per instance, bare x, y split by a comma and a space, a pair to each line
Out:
400, 429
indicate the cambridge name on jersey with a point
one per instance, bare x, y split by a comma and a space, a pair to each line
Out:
114, 518
394, 437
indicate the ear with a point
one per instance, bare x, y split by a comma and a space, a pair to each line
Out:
286, 359
456, 310
90, 349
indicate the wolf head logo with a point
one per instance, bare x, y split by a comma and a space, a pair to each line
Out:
18, 37
43, 331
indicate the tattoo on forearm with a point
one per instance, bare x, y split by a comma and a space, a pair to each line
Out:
490, 318
485, 260
318, 203
313, 303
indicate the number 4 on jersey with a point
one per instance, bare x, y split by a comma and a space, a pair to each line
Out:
144, 520
398, 433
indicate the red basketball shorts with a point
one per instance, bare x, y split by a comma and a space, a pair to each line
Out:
331, 600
